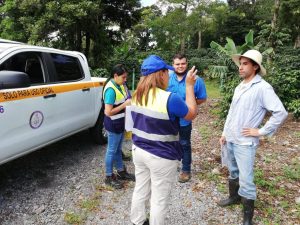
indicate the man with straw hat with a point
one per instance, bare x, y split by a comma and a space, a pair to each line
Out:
252, 98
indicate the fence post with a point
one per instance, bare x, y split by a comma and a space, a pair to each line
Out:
133, 79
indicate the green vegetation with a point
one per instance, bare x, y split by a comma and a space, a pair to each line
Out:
85, 207
297, 134
89, 204
260, 180
222, 188
285, 78
204, 133
73, 218
282, 70
208, 32
292, 171
213, 88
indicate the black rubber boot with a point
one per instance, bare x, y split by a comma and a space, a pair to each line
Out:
124, 175
248, 206
113, 182
234, 197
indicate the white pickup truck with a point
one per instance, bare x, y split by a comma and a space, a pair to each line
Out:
45, 95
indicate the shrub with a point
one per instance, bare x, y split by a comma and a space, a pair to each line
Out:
227, 93
99, 72
284, 76
294, 107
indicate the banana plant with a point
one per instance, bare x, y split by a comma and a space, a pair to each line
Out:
230, 48
226, 65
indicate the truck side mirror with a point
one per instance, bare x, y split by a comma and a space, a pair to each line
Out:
13, 79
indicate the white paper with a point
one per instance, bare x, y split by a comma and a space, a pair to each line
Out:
128, 119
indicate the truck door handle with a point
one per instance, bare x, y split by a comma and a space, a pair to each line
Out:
86, 89
50, 96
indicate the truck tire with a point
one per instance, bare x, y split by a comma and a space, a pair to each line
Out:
98, 132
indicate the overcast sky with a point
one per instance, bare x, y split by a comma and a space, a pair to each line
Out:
147, 2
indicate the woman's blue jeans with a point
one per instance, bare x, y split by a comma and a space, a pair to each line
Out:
113, 152
241, 160
185, 142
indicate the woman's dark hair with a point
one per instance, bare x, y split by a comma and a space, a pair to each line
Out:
118, 69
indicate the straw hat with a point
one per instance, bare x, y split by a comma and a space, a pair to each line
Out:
254, 55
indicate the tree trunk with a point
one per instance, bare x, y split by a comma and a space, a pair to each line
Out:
87, 44
297, 42
78, 39
199, 39
274, 22
182, 44
275, 15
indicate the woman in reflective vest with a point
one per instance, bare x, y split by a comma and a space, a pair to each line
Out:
116, 97
156, 150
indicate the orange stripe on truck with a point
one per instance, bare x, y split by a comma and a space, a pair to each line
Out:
31, 92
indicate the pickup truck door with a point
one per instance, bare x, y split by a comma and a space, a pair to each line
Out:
26, 114
75, 94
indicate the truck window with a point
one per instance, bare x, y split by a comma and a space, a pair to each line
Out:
67, 67
27, 62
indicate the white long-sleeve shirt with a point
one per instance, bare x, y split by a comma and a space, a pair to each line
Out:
249, 105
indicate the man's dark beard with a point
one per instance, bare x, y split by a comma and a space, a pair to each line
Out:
181, 74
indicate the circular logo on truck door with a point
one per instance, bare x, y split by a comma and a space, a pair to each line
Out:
36, 119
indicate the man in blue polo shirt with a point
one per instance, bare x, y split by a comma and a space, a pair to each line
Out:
177, 85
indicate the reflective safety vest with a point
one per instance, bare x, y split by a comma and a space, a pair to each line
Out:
116, 123
153, 130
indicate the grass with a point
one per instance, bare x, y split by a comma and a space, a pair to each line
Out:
89, 204
212, 88
85, 207
204, 132
297, 134
292, 172
284, 204
73, 218
222, 188
278, 192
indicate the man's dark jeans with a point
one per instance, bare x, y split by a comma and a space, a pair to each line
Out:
185, 142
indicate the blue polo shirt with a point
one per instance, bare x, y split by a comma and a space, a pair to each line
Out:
178, 87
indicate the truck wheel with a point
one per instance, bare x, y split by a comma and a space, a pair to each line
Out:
98, 132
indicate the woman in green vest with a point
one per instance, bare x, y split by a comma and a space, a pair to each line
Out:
116, 98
